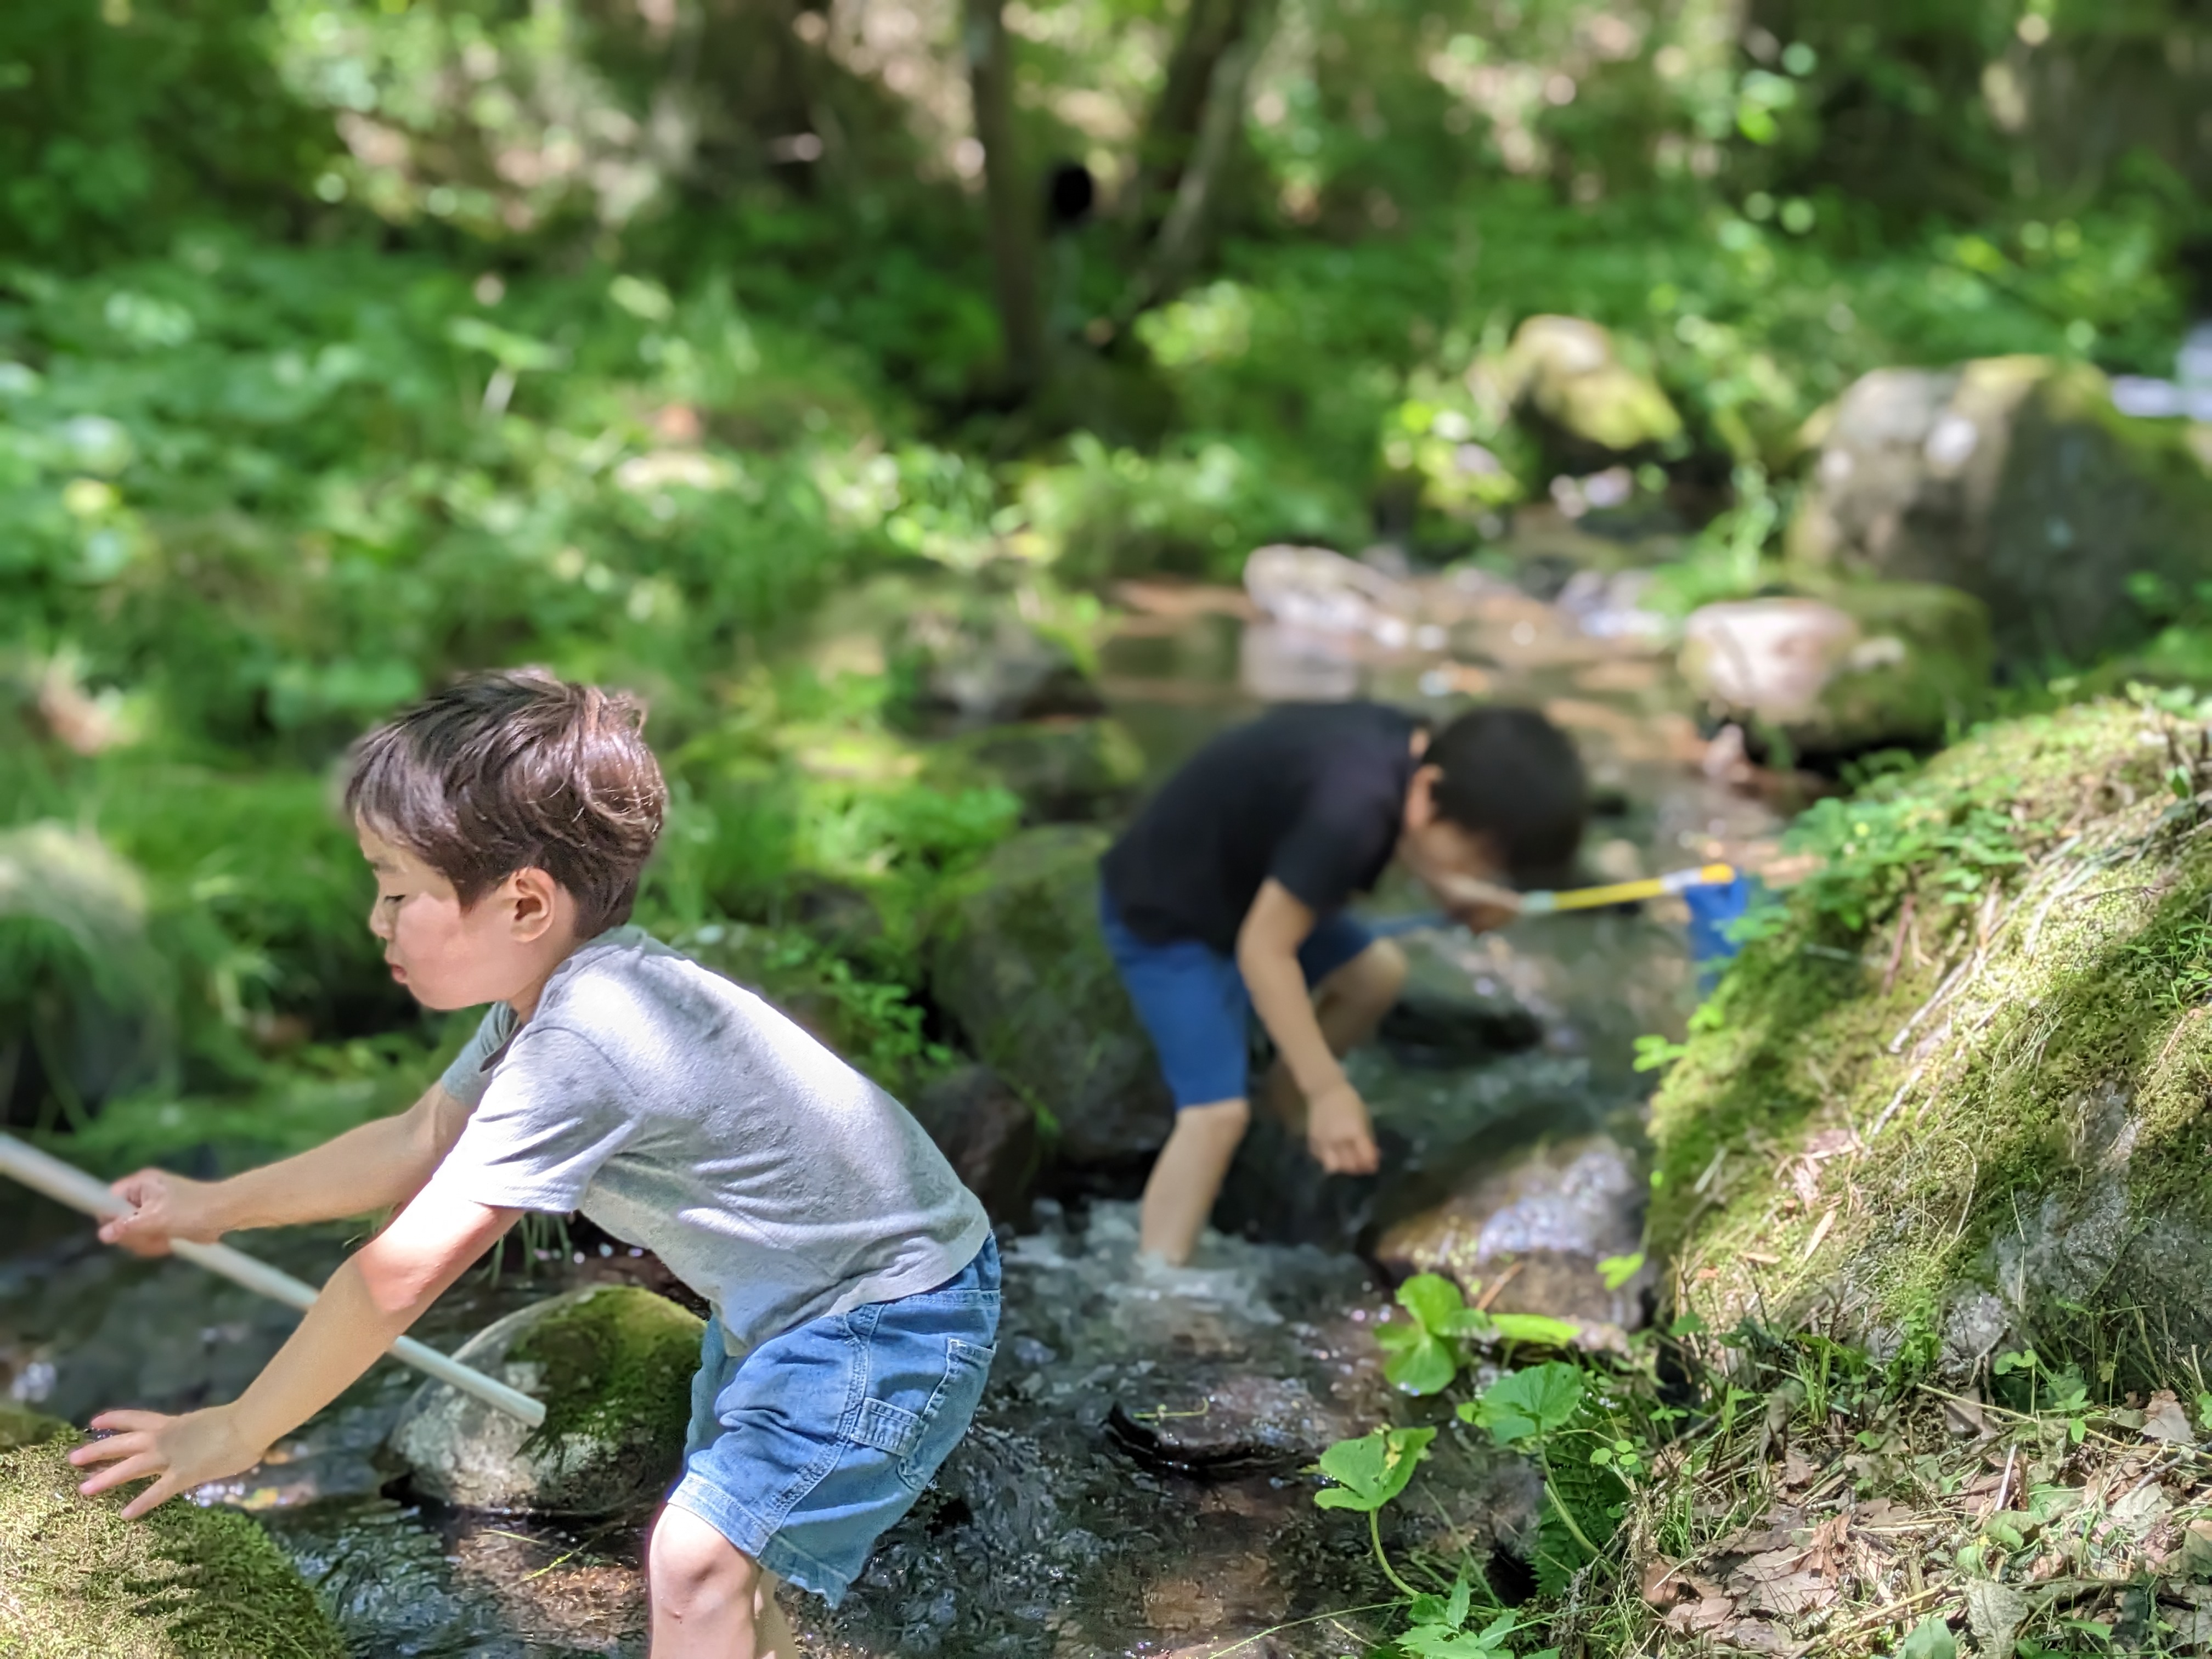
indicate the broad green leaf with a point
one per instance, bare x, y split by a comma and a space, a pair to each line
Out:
1618, 1270
1370, 1471
1528, 1404
1930, 1639
1535, 1329
1414, 1360
1433, 1300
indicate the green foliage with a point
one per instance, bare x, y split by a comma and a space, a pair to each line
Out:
1370, 1471
1425, 1351
1528, 1405
1930, 1638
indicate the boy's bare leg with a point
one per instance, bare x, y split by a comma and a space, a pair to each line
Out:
710, 1599
1187, 1179
1349, 1005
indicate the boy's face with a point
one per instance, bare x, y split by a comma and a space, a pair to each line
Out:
1441, 854
448, 956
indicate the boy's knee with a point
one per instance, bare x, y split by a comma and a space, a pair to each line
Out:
1222, 1120
1372, 980
691, 1568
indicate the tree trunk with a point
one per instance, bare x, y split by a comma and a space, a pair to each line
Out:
1211, 29
1010, 195
1181, 234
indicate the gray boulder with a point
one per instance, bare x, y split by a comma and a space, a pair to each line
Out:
2015, 479
1864, 665
1531, 1230
988, 1132
613, 1365
972, 658
1016, 959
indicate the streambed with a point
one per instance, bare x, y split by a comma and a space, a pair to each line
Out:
1133, 1485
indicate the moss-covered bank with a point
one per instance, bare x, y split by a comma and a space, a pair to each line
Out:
76, 1580
1957, 1092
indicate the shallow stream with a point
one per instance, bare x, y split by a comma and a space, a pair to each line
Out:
1133, 1485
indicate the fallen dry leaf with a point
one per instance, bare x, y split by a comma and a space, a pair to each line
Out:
1706, 1613
1758, 1635
1963, 1416
1798, 1470
1882, 1513
1826, 1552
1662, 1582
1788, 1595
2167, 1420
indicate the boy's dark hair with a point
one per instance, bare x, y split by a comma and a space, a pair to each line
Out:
1511, 775
517, 769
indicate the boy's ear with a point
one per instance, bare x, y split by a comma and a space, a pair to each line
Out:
1421, 797
537, 904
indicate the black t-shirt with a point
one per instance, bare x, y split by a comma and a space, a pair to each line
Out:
1312, 794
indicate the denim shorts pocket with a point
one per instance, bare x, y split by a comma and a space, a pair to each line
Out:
945, 1418
891, 1430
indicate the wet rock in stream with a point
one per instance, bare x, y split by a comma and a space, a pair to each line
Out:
613, 1366
1133, 1483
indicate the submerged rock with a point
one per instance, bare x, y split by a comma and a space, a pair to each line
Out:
1526, 1234
1018, 961
1064, 771
1863, 667
185, 1582
988, 1132
1907, 1119
613, 1365
1315, 590
2015, 479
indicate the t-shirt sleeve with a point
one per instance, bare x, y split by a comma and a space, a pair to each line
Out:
1341, 840
551, 1113
465, 1079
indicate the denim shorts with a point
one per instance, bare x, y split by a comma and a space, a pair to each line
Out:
1193, 1005
805, 1451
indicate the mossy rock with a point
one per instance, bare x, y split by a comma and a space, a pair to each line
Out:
1016, 958
21, 1426
1961, 1092
1848, 668
2015, 479
1064, 771
1589, 403
76, 1580
613, 1366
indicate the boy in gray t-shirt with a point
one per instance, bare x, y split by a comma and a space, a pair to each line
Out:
854, 1281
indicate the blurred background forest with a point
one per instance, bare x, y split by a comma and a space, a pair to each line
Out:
345, 344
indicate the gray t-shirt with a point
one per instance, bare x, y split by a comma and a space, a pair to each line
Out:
681, 1112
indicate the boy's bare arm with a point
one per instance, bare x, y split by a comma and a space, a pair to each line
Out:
1337, 1126
377, 1166
382, 1289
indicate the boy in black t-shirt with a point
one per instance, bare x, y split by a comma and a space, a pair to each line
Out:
1226, 897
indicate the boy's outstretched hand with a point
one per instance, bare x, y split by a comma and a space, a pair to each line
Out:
1338, 1133
179, 1453
163, 1207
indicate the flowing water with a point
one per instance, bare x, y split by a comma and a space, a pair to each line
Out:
1133, 1485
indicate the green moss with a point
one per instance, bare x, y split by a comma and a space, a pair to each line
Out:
185, 1583
617, 1367
2020, 1103
20, 1426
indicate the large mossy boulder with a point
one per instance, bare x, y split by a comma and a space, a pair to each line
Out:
1585, 399
1959, 1093
1017, 959
83, 992
78, 1580
1864, 666
2015, 479
613, 1366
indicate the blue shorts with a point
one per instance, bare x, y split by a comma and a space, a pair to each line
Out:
805, 1451
1194, 1003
